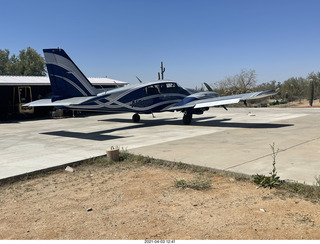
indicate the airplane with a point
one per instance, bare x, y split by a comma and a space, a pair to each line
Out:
73, 91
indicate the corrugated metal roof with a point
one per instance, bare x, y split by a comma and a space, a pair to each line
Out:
44, 81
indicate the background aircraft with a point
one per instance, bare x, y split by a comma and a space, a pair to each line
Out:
72, 90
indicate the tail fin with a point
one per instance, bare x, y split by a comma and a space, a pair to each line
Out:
66, 78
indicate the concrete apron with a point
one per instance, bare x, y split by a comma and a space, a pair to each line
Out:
223, 140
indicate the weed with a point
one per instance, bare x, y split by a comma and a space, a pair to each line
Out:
272, 180
198, 182
240, 177
298, 189
181, 183
100, 161
124, 155
142, 159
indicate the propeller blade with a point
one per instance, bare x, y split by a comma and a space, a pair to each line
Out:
208, 87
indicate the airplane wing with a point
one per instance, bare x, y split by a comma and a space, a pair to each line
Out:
189, 103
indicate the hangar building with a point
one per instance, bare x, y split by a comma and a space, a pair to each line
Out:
18, 90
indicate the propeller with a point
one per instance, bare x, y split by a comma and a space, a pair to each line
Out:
208, 87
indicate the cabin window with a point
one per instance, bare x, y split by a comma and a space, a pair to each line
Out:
162, 88
169, 88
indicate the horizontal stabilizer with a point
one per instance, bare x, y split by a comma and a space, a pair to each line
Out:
64, 102
39, 103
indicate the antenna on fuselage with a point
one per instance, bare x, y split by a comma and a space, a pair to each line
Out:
139, 79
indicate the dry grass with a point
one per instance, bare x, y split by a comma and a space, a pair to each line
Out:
137, 199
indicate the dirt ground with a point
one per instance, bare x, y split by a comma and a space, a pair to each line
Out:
303, 103
140, 201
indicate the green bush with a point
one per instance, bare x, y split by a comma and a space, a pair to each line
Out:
269, 181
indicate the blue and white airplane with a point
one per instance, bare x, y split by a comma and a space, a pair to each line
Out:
72, 90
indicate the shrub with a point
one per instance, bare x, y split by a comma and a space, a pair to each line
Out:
198, 182
272, 180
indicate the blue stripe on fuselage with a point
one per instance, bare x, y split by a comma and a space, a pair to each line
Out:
186, 100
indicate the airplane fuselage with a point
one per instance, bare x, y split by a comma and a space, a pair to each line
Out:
143, 98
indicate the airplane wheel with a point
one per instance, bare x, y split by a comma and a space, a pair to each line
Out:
136, 118
187, 117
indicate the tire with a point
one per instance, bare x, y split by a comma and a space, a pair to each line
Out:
187, 117
136, 118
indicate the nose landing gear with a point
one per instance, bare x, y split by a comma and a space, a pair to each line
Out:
136, 118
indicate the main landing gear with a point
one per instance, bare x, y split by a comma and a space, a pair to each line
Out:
187, 117
136, 118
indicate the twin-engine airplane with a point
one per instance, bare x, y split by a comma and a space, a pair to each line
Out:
72, 90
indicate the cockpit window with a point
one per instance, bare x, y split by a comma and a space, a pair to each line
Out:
151, 90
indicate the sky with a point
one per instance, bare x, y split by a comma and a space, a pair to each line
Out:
198, 40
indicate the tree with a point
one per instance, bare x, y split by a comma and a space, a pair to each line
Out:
4, 61
271, 85
316, 80
295, 88
240, 83
246, 80
29, 63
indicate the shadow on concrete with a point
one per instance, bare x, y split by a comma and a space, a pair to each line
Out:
95, 136
203, 121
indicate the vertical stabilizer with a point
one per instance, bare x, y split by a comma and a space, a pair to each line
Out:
66, 78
